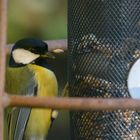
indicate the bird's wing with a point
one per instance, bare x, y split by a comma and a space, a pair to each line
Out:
19, 117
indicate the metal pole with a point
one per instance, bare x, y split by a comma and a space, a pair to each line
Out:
71, 103
3, 35
52, 45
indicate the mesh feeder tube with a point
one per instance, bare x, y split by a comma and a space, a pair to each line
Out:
104, 42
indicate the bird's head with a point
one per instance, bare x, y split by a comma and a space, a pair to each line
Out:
29, 51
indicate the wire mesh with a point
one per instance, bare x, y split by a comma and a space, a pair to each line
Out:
104, 42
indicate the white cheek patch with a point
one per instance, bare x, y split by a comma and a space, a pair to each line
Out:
24, 56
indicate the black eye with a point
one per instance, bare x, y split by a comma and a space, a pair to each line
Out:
33, 50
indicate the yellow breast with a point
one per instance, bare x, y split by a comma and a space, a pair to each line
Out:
40, 119
46, 81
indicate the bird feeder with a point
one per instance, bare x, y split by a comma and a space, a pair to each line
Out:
104, 45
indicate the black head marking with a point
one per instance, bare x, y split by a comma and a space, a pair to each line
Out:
33, 45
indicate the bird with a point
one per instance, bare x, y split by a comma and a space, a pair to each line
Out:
32, 123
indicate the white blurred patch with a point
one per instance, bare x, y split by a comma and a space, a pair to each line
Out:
54, 114
58, 51
133, 81
24, 56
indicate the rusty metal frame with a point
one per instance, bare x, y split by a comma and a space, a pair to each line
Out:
56, 102
52, 45
3, 36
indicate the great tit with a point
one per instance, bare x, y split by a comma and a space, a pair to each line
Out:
32, 123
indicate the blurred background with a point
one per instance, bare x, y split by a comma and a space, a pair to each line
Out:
47, 20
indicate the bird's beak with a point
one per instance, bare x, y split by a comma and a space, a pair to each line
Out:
48, 55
